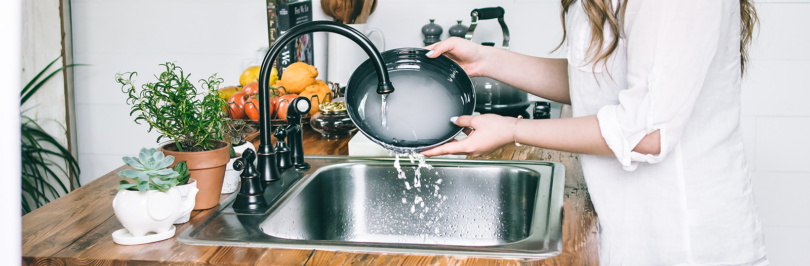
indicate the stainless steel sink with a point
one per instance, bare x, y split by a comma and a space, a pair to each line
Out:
466, 207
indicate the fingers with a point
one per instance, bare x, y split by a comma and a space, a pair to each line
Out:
453, 147
439, 48
463, 121
430, 47
467, 131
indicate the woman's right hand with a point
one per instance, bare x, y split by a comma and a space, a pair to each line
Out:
469, 55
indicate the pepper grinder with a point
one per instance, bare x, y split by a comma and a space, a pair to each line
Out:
457, 30
432, 33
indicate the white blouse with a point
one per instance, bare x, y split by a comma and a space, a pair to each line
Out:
677, 70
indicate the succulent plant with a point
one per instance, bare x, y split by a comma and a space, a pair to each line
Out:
151, 172
182, 169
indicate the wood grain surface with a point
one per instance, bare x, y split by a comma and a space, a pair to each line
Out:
76, 229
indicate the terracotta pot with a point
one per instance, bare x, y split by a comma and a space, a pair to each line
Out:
207, 167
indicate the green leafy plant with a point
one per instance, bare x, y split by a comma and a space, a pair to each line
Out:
151, 172
43, 157
237, 131
176, 109
182, 169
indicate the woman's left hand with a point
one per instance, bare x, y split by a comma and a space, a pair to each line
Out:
485, 133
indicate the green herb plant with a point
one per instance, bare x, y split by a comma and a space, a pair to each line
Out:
176, 109
151, 172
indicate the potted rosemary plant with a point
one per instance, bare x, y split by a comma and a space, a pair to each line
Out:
191, 118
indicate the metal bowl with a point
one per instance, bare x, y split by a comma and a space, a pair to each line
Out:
429, 91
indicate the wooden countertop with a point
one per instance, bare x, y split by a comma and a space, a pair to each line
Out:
76, 228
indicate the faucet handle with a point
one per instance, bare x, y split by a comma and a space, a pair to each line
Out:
249, 199
280, 133
246, 163
238, 165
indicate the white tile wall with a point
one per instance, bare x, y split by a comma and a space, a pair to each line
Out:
203, 37
776, 126
787, 245
219, 35
782, 144
781, 197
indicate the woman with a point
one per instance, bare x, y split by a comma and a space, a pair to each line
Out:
655, 90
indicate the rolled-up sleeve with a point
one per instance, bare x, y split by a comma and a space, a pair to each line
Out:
670, 46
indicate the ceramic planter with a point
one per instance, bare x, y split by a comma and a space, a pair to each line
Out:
232, 177
151, 211
243, 147
185, 192
207, 167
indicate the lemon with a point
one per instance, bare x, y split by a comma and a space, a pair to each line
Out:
227, 92
251, 74
273, 76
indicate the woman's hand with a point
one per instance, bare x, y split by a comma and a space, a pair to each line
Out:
469, 55
485, 133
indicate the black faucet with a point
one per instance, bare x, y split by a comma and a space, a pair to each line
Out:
268, 165
255, 195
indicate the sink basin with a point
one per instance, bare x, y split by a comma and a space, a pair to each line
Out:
465, 207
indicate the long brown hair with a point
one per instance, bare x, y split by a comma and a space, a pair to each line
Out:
601, 13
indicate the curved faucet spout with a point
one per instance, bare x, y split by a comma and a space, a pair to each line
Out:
267, 167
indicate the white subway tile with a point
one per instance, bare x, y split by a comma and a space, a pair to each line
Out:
108, 129
776, 88
787, 245
783, 144
783, 32
777, 195
748, 126
96, 84
169, 27
95, 165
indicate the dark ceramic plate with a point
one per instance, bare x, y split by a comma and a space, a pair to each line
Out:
428, 92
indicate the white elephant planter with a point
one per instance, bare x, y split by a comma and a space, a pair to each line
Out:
150, 211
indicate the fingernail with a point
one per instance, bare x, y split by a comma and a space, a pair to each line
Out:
453, 119
429, 53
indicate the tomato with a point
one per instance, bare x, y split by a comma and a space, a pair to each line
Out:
252, 109
251, 88
281, 104
277, 91
236, 111
238, 98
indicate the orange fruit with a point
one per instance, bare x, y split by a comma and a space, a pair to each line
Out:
317, 93
297, 77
